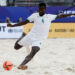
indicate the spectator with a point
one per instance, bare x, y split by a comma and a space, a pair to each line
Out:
20, 19
7, 20
10, 2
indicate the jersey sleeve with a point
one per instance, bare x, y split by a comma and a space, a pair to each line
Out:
52, 17
31, 18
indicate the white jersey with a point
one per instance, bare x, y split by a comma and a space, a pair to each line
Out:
39, 31
41, 25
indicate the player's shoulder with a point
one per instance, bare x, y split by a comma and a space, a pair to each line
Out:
47, 15
50, 14
35, 14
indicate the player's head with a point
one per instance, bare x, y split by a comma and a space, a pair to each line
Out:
42, 9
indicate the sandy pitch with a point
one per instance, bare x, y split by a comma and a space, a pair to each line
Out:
57, 57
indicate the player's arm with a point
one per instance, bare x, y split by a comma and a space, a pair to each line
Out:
18, 24
64, 15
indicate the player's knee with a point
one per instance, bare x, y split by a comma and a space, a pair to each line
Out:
17, 46
24, 34
35, 49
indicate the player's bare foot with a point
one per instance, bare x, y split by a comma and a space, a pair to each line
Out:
23, 67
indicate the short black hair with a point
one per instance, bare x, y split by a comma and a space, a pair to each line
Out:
42, 4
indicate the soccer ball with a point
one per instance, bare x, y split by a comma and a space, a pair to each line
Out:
7, 65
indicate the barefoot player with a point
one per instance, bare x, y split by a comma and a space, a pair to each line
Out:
38, 33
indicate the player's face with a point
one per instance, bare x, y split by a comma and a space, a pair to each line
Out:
42, 10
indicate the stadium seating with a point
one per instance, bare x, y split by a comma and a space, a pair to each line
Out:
36, 2
27, 2
48, 2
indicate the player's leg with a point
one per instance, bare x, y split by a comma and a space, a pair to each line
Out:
17, 46
34, 50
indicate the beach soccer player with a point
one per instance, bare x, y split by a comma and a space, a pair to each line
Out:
38, 33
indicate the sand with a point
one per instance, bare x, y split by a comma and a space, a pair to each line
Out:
56, 57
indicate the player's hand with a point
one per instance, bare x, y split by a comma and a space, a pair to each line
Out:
9, 25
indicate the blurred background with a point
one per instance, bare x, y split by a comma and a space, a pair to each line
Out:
23, 8
36, 2
15, 11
